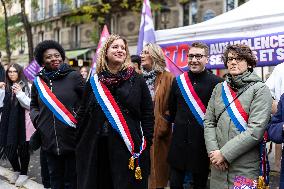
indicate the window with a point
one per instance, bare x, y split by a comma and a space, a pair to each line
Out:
76, 36
40, 36
231, 4
57, 35
190, 13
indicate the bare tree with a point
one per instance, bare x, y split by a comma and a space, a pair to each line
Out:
28, 29
7, 36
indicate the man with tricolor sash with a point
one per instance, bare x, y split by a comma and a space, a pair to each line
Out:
55, 95
189, 97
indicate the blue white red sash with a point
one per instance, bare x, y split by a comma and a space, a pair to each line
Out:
191, 98
52, 102
234, 107
114, 115
240, 120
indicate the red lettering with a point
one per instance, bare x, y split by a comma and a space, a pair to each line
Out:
181, 60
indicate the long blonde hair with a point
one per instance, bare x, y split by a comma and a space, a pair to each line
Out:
157, 55
102, 64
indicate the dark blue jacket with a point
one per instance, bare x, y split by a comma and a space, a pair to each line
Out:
275, 132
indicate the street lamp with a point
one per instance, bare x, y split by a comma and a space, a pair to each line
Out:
165, 15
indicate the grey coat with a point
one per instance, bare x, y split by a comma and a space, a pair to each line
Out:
240, 149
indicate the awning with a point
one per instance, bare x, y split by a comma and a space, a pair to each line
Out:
75, 53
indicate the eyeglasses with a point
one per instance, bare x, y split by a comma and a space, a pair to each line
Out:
14, 71
197, 56
237, 59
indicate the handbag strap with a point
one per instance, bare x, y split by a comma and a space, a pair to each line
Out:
239, 94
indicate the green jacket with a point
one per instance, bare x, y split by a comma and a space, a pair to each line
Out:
240, 149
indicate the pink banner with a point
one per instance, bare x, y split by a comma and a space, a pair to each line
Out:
104, 36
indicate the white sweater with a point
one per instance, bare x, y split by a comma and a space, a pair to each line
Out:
276, 82
24, 99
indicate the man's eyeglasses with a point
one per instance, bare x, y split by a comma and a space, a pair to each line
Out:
237, 59
197, 56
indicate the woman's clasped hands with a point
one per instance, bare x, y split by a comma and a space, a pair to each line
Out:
217, 160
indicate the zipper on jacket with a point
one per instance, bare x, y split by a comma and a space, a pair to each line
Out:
57, 146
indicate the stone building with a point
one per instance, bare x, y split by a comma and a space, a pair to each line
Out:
50, 21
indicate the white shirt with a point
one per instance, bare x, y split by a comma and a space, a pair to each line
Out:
275, 82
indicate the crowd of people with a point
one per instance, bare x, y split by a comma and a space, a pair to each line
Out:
132, 124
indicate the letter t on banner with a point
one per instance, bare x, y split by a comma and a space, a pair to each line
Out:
146, 32
104, 36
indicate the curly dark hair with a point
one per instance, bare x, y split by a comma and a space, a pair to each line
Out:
242, 51
45, 45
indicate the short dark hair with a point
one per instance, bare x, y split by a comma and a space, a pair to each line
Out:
201, 46
242, 51
45, 45
136, 59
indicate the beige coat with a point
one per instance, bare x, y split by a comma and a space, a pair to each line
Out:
162, 132
240, 149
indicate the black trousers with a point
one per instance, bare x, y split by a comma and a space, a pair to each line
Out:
62, 171
20, 160
45, 178
177, 179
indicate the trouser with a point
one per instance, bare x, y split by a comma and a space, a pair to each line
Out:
44, 169
20, 160
62, 171
199, 180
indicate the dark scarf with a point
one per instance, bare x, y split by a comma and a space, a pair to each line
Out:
12, 126
238, 81
112, 80
63, 70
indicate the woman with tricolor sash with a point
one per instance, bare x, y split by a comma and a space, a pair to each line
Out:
55, 97
159, 82
115, 123
235, 121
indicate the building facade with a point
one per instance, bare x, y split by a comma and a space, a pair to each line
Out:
50, 20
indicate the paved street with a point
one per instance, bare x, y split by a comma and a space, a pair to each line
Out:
34, 174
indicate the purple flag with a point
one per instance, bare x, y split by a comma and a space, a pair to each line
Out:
172, 67
146, 32
31, 70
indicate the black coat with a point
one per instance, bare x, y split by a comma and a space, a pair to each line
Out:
188, 150
67, 85
135, 102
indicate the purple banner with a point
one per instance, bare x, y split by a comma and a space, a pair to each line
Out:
31, 70
269, 50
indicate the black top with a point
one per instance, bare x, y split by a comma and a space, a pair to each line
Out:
187, 150
134, 100
67, 85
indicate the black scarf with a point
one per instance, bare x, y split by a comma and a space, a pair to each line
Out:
12, 126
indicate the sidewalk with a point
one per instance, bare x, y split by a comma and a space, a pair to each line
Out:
5, 173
